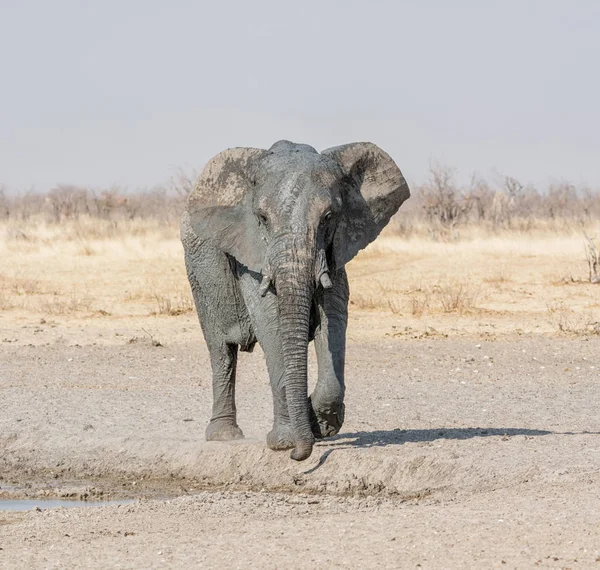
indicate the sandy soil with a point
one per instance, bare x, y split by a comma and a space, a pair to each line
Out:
456, 453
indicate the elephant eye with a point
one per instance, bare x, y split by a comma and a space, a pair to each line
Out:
327, 215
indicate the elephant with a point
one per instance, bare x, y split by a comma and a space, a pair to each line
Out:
266, 235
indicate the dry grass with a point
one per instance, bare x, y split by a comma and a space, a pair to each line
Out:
90, 266
451, 296
494, 283
490, 283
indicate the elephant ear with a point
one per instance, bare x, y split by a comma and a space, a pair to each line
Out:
372, 191
220, 206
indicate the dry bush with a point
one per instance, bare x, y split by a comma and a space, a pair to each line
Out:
592, 255
419, 301
4, 203
457, 297
444, 210
67, 202
59, 304
568, 321
173, 305
367, 302
16, 290
449, 296
440, 208
444, 204
6, 300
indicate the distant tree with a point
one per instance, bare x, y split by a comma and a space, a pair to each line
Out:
442, 200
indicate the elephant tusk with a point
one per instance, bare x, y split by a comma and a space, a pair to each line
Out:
326, 280
267, 279
321, 270
264, 285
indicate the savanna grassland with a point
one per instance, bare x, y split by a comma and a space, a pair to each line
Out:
454, 261
535, 282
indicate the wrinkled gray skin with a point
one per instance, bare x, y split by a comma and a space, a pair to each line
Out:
266, 236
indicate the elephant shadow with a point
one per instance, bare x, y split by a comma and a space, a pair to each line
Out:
384, 438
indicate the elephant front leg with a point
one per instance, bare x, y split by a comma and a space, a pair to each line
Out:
223, 424
281, 435
327, 400
265, 322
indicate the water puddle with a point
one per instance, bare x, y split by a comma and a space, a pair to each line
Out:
31, 504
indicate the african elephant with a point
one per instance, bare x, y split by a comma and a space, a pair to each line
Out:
266, 235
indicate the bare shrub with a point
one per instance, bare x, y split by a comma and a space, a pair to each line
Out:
561, 200
440, 208
366, 302
61, 305
26, 286
4, 203
457, 297
395, 305
6, 302
568, 321
592, 255
443, 202
481, 197
419, 301
182, 183
173, 305
69, 202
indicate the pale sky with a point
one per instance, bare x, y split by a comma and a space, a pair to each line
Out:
126, 91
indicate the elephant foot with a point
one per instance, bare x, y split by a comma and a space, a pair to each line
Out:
223, 430
280, 437
326, 420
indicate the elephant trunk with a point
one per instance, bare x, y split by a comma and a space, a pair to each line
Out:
295, 287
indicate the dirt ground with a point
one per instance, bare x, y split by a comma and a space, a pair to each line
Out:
456, 452
472, 434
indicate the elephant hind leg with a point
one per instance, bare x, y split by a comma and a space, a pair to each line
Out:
223, 423
224, 331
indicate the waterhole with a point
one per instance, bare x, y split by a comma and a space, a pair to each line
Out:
42, 504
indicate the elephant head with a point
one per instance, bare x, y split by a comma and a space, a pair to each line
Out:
294, 216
